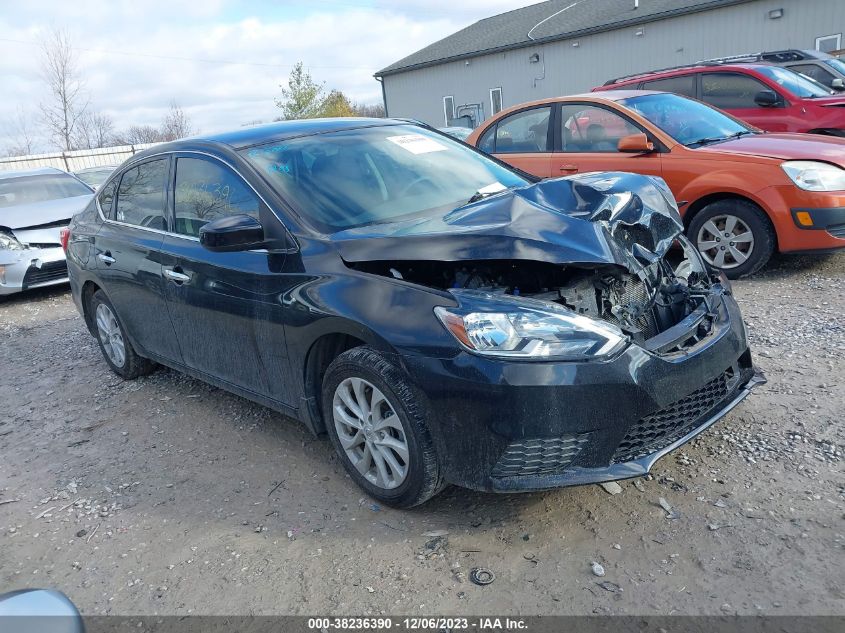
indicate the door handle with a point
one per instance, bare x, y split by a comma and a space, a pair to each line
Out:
569, 168
176, 276
106, 258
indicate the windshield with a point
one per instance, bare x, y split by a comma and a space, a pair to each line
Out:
837, 64
799, 85
379, 174
688, 121
34, 189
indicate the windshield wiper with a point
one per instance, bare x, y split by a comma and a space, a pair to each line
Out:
718, 139
486, 192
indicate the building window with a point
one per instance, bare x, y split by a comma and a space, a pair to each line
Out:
829, 43
448, 109
495, 101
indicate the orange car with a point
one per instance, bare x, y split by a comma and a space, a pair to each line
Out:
743, 193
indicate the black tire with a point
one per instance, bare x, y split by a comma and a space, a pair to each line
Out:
133, 364
424, 477
757, 222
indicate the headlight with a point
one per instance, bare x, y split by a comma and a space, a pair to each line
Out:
9, 243
506, 326
812, 175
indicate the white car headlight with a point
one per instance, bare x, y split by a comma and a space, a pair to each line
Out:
812, 175
507, 326
9, 243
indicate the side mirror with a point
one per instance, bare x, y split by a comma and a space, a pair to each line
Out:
635, 144
766, 98
42, 610
838, 84
232, 233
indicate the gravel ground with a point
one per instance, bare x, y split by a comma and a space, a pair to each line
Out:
167, 496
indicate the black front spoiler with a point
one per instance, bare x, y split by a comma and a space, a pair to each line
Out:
625, 470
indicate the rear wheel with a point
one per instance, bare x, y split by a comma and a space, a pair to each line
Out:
734, 236
376, 423
116, 348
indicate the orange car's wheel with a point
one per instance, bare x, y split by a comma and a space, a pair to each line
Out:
734, 236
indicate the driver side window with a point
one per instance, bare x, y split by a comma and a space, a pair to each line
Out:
589, 129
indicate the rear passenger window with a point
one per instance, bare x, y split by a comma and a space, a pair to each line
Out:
730, 90
524, 132
207, 190
140, 196
106, 199
683, 85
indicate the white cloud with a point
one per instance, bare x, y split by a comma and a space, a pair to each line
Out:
135, 55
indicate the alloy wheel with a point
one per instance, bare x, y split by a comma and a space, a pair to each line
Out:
110, 335
370, 433
725, 241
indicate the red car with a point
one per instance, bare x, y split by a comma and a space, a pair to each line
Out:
771, 98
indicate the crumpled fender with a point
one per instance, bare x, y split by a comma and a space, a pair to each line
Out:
596, 218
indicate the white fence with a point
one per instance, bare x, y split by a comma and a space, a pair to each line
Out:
73, 161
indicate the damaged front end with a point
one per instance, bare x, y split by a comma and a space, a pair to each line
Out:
617, 233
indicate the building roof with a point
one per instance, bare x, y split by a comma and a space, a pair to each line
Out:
547, 22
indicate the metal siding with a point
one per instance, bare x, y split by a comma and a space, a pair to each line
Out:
739, 29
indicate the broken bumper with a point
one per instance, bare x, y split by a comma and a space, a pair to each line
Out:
31, 268
516, 426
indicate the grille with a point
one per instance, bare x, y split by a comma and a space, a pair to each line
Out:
538, 456
51, 271
660, 429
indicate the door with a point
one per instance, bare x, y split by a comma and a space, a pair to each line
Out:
226, 308
735, 93
522, 139
588, 141
128, 256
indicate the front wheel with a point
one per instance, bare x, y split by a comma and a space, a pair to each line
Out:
376, 423
734, 236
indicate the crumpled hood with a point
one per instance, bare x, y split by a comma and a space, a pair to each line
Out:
27, 215
597, 218
784, 147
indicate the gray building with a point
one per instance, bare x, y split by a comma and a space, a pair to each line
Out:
568, 46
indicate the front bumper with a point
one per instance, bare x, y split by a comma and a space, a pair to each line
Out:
516, 426
826, 210
31, 268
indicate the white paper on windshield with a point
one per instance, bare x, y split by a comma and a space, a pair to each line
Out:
417, 143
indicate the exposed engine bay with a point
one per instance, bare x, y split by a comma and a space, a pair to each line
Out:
598, 244
642, 305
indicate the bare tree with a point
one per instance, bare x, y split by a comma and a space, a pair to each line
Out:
20, 133
138, 134
176, 124
375, 111
67, 101
93, 130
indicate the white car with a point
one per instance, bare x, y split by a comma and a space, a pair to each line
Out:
35, 205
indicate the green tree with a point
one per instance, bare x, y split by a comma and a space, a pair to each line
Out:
303, 98
337, 104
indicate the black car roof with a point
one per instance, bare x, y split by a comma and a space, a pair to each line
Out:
259, 134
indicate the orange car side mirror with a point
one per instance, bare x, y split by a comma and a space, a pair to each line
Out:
635, 144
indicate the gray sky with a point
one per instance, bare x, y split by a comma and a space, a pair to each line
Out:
135, 56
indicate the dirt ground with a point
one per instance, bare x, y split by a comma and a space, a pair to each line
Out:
167, 496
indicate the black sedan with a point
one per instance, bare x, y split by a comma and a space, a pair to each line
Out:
441, 316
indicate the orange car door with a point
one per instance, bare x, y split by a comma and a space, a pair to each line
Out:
588, 141
523, 139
